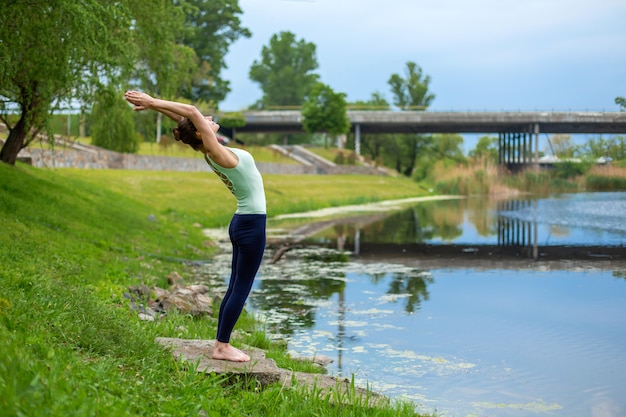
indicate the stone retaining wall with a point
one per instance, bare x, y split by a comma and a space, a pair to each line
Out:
104, 159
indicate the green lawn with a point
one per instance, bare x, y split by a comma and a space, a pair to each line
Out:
178, 150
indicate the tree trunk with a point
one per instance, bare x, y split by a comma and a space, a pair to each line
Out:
158, 129
14, 143
30, 103
81, 130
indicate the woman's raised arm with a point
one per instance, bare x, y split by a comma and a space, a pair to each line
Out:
216, 151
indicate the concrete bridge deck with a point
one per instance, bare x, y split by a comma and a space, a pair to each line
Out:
290, 121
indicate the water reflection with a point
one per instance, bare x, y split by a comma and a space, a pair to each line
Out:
564, 226
516, 232
306, 278
457, 230
420, 223
306, 281
292, 291
413, 284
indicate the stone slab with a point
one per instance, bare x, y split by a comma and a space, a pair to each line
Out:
264, 370
199, 351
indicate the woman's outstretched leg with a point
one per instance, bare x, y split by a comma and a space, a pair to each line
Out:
247, 234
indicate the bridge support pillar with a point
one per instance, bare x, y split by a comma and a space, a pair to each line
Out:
515, 148
536, 131
357, 138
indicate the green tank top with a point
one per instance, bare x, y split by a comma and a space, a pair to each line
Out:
244, 181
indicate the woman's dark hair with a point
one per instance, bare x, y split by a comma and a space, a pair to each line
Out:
186, 133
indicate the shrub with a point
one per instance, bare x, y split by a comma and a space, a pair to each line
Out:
233, 119
570, 169
113, 126
602, 183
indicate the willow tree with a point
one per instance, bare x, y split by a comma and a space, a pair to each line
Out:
112, 123
164, 66
58, 52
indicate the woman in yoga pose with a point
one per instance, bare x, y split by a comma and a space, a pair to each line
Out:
236, 168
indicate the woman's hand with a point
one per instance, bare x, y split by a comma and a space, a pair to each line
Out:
141, 101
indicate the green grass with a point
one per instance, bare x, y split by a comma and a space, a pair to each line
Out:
73, 241
178, 150
198, 197
332, 154
605, 183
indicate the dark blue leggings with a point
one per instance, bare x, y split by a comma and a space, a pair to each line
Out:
247, 234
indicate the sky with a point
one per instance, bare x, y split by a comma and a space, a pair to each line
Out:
481, 55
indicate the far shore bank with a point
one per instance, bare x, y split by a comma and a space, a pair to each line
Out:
379, 206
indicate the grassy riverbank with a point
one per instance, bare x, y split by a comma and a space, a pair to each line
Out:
72, 242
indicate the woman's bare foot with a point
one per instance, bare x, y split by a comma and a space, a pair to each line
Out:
226, 352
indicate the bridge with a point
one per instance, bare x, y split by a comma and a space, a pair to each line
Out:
290, 121
516, 130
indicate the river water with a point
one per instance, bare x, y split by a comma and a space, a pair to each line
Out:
462, 306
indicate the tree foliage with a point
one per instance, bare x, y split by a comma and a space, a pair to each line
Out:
112, 125
372, 145
404, 151
52, 52
212, 27
57, 52
411, 91
376, 102
163, 65
285, 71
448, 146
325, 111
621, 101
486, 147
232, 119
562, 146
614, 147
87, 45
